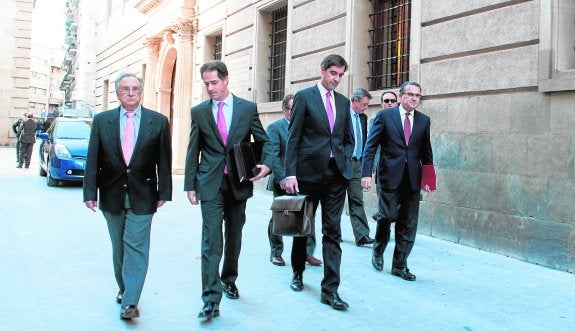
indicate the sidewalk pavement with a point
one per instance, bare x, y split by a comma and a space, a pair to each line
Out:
56, 274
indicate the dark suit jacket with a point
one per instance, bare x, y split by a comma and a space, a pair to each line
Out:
28, 131
310, 140
148, 177
277, 132
205, 174
387, 132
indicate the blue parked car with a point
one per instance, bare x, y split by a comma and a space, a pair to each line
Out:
63, 150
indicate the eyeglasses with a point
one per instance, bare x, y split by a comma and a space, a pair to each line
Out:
411, 95
389, 100
127, 90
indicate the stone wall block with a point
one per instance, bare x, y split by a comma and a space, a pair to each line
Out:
550, 244
562, 201
446, 150
531, 115
549, 156
561, 119
509, 154
481, 31
514, 68
445, 222
332, 33
315, 12
475, 151
432, 10
529, 197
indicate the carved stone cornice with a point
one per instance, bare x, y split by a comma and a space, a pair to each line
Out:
168, 38
145, 6
185, 29
153, 45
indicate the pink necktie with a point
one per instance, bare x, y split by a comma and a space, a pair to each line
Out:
329, 110
128, 139
406, 128
222, 127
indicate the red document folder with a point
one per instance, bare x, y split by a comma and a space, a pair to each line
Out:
428, 177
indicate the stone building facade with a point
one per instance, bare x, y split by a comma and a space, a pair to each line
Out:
498, 80
15, 37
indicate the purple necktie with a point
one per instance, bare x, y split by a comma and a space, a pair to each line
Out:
406, 128
128, 139
329, 110
222, 127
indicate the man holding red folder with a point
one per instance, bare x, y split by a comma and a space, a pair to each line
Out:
403, 134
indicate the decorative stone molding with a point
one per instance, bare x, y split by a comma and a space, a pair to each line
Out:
185, 30
145, 6
168, 38
153, 45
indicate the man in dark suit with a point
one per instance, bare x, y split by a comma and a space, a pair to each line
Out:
277, 132
403, 134
27, 140
318, 164
210, 177
359, 103
129, 162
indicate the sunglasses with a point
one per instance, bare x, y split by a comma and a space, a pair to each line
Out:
389, 100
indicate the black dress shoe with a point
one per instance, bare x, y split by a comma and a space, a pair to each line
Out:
403, 273
230, 290
333, 300
377, 262
297, 282
129, 311
277, 260
119, 297
210, 310
365, 240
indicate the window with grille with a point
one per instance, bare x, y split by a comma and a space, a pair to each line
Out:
218, 47
277, 58
389, 64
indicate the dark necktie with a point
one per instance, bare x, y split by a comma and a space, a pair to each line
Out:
406, 128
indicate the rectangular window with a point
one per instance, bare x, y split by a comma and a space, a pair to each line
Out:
277, 57
218, 47
389, 49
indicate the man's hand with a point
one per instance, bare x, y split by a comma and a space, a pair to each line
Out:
366, 182
192, 197
283, 184
264, 171
91, 204
161, 203
291, 185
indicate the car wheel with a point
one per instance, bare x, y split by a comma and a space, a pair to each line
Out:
49, 180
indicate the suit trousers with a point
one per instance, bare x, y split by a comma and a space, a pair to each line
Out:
355, 203
276, 242
402, 207
330, 192
25, 151
130, 235
222, 210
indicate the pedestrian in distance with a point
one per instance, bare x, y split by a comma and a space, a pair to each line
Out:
210, 179
318, 164
128, 176
27, 140
277, 132
17, 129
403, 135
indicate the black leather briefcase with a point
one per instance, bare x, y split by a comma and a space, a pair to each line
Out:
292, 215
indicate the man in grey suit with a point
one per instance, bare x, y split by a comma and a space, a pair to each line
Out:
129, 163
211, 177
403, 135
318, 164
359, 102
27, 140
277, 132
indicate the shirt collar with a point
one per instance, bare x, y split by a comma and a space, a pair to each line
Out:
323, 90
227, 101
137, 111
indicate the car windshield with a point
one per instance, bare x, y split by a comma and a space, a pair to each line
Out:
73, 130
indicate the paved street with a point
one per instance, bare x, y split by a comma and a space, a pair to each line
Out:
56, 274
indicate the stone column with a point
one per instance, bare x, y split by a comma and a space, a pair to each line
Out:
182, 94
150, 98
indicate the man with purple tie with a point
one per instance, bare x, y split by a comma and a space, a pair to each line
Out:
211, 178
